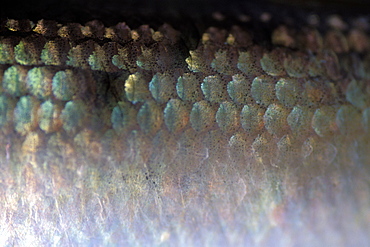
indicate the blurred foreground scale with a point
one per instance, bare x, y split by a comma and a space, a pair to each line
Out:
66, 85
49, 116
145, 135
123, 117
25, 114
150, 117
39, 81
14, 80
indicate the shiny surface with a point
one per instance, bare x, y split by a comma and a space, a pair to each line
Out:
129, 140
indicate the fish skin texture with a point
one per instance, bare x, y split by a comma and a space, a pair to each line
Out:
141, 135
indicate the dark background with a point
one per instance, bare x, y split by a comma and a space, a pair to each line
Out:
111, 11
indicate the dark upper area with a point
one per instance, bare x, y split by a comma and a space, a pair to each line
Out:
190, 17
137, 12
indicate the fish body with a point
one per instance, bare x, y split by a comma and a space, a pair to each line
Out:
248, 131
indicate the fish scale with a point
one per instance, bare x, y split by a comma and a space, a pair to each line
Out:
287, 79
145, 132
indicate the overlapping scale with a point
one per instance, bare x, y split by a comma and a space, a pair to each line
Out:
288, 91
240, 147
162, 87
318, 151
47, 28
323, 121
74, 116
358, 41
227, 117
356, 93
348, 120
118, 33
25, 114
49, 116
33, 143
126, 58
214, 89
249, 61
72, 83
188, 87
263, 90
78, 56
39, 82
61, 77
28, 51
275, 119
236, 118
273, 62
296, 64
239, 89
137, 88
288, 148
225, 61
366, 120
264, 148
101, 57
71, 31
147, 59
251, 118
202, 116
299, 120
176, 115
150, 117
336, 41
7, 45
123, 117
22, 26
55, 52
14, 80
7, 105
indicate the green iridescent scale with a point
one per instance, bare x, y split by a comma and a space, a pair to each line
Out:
61, 79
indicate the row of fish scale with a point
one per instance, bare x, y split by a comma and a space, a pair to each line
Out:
100, 60
48, 82
72, 31
276, 119
280, 101
159, 51
226, 88
28, 113
338, 39
213, 146
262, 90
339, 35
255, 61
140, 52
